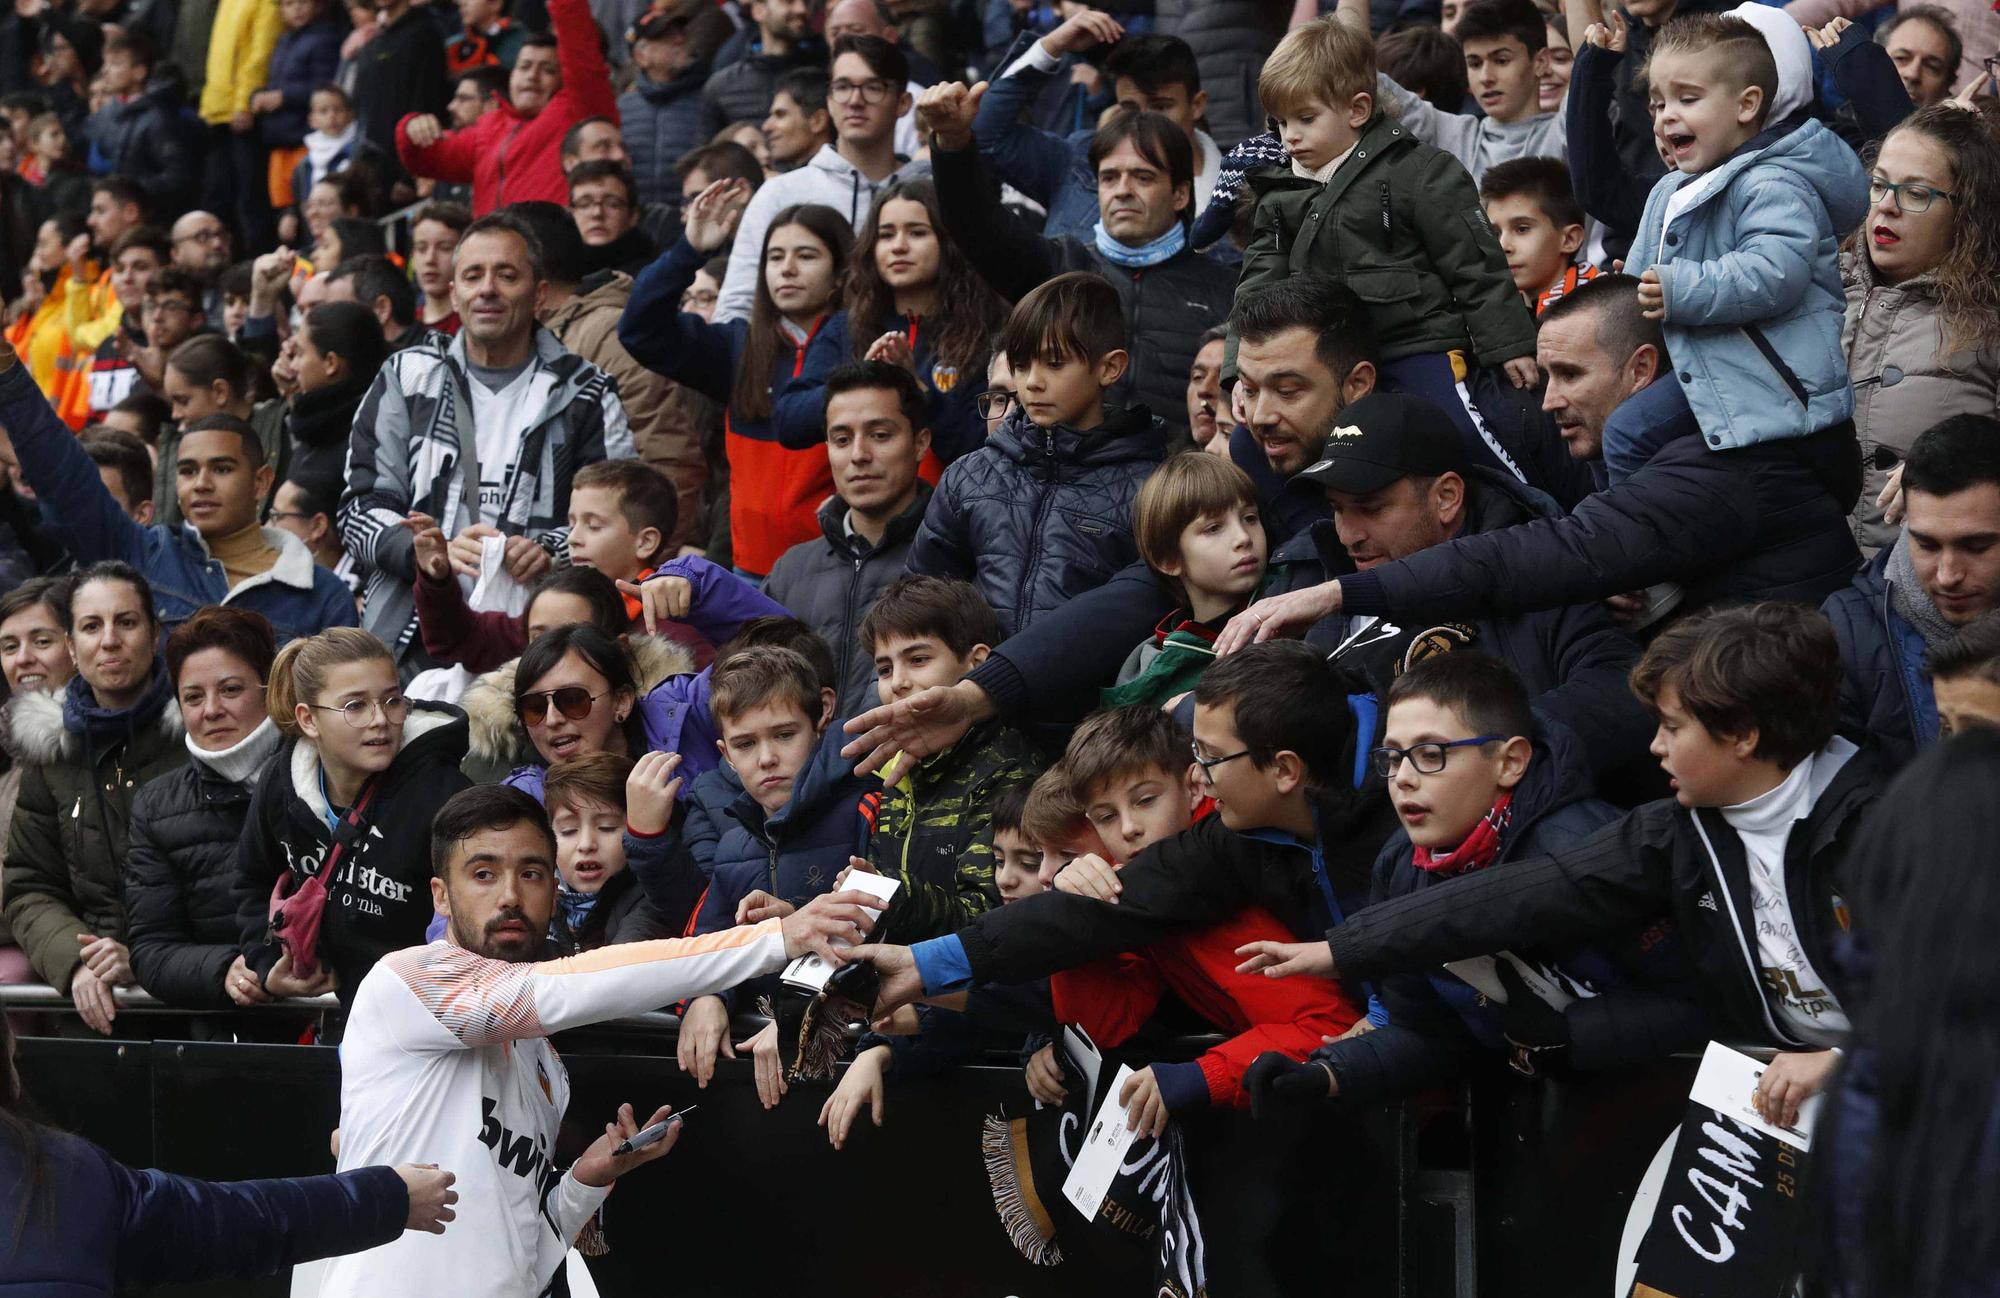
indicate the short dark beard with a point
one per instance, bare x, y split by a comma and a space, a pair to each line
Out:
478, 944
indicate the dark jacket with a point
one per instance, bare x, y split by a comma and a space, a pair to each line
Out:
1611, 194
304, 59
1884, 694
1167, 307
741, 91
1572, 658
1036, 517
400, 71
621, 913
1231, 39
147, 139
111, 1229
831, 582
934, 833
317, 426
1400, 224
661, 122
379, 896
1661, 857
180, 885
798, 409
67, 840
1630, 116
1755, 523
1437, 1023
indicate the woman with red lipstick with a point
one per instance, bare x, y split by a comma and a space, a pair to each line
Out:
349, 799
1922, 332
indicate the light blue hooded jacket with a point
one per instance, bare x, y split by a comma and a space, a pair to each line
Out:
1751, 273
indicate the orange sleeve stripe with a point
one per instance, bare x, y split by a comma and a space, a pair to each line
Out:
624, 955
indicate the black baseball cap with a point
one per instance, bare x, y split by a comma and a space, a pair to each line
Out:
1383, 437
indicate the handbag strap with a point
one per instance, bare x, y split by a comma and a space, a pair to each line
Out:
348, 829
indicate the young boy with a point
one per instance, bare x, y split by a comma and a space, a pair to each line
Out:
1965, 677
1740, 242
48, 149
798, 823
1749, 856
1364, 201
598, 901
934, 833
1053, 487
1198, 527
1477, 785
138, 255
1540, 225
1505, 44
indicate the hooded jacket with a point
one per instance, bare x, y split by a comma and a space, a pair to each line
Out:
705, 356
1751, 272
1167, 306
1905, 380
303, 59
239, 53
1037, 516
378, 897
1438, 1023
410, 450
297, 595
826, 178
587, 324
145, 138
1400, 223
509, 158
1661, 857
660, 123
831, 581
66, 846
180, 884
1885, 697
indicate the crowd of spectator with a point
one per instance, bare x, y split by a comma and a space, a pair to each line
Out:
1232, 505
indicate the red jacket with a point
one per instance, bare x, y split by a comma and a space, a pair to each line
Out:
1112, 999
509, 158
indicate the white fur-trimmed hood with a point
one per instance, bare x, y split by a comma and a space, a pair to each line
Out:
36, 734
497, 735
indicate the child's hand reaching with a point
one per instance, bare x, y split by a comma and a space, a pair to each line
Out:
1652, 296
1090, 875
860, 1088
663, 598
1611, 34
649, 794
1145, 1108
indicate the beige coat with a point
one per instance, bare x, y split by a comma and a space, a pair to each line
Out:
1894, 337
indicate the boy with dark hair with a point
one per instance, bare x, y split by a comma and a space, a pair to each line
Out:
127, 469
1061, 456
1965, 677
136, 257
1478, 784
1742, 238
1749, 857
801, 819
139, 133
1540, 226
598, 900
934, 833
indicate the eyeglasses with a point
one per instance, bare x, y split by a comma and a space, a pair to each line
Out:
696, 298
604, 203
1912, 199
1208, 764
573, 701
995, 403
872, 91
1429, 759
359, 712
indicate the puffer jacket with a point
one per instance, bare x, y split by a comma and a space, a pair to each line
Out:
146, 139
1751, 273
68, 838
1231, 39
740, 89
304, 59
378, 898
1646, 1008
661, 121
1036, 517
496, 737
587, 324
180, 885
1885, 696
117, 1230
1167, 307
831, 582
1904, 380
1400, 223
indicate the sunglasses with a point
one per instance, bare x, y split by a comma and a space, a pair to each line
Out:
573, 701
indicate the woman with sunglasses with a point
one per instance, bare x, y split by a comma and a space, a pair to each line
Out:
1922, 333
362, 771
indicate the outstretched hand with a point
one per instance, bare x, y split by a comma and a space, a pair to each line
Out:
901, 984
945, 112
1286, 959
431, 1196
662, 598
927, 722
714, 213
598, 1166
1284, 616
830, 924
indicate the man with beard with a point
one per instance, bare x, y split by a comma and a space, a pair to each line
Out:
446, 1055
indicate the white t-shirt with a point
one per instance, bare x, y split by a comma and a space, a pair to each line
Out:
446, 1061
1799, 998
499, 418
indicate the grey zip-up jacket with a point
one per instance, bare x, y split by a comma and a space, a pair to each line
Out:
1477, 142
413, 448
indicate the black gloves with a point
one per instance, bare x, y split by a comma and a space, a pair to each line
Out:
1273, 1081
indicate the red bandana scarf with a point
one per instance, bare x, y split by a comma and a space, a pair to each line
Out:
1478, 850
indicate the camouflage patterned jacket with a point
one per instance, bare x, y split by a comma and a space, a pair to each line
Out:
935, 828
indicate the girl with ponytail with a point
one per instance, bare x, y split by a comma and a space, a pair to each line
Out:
361, 767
